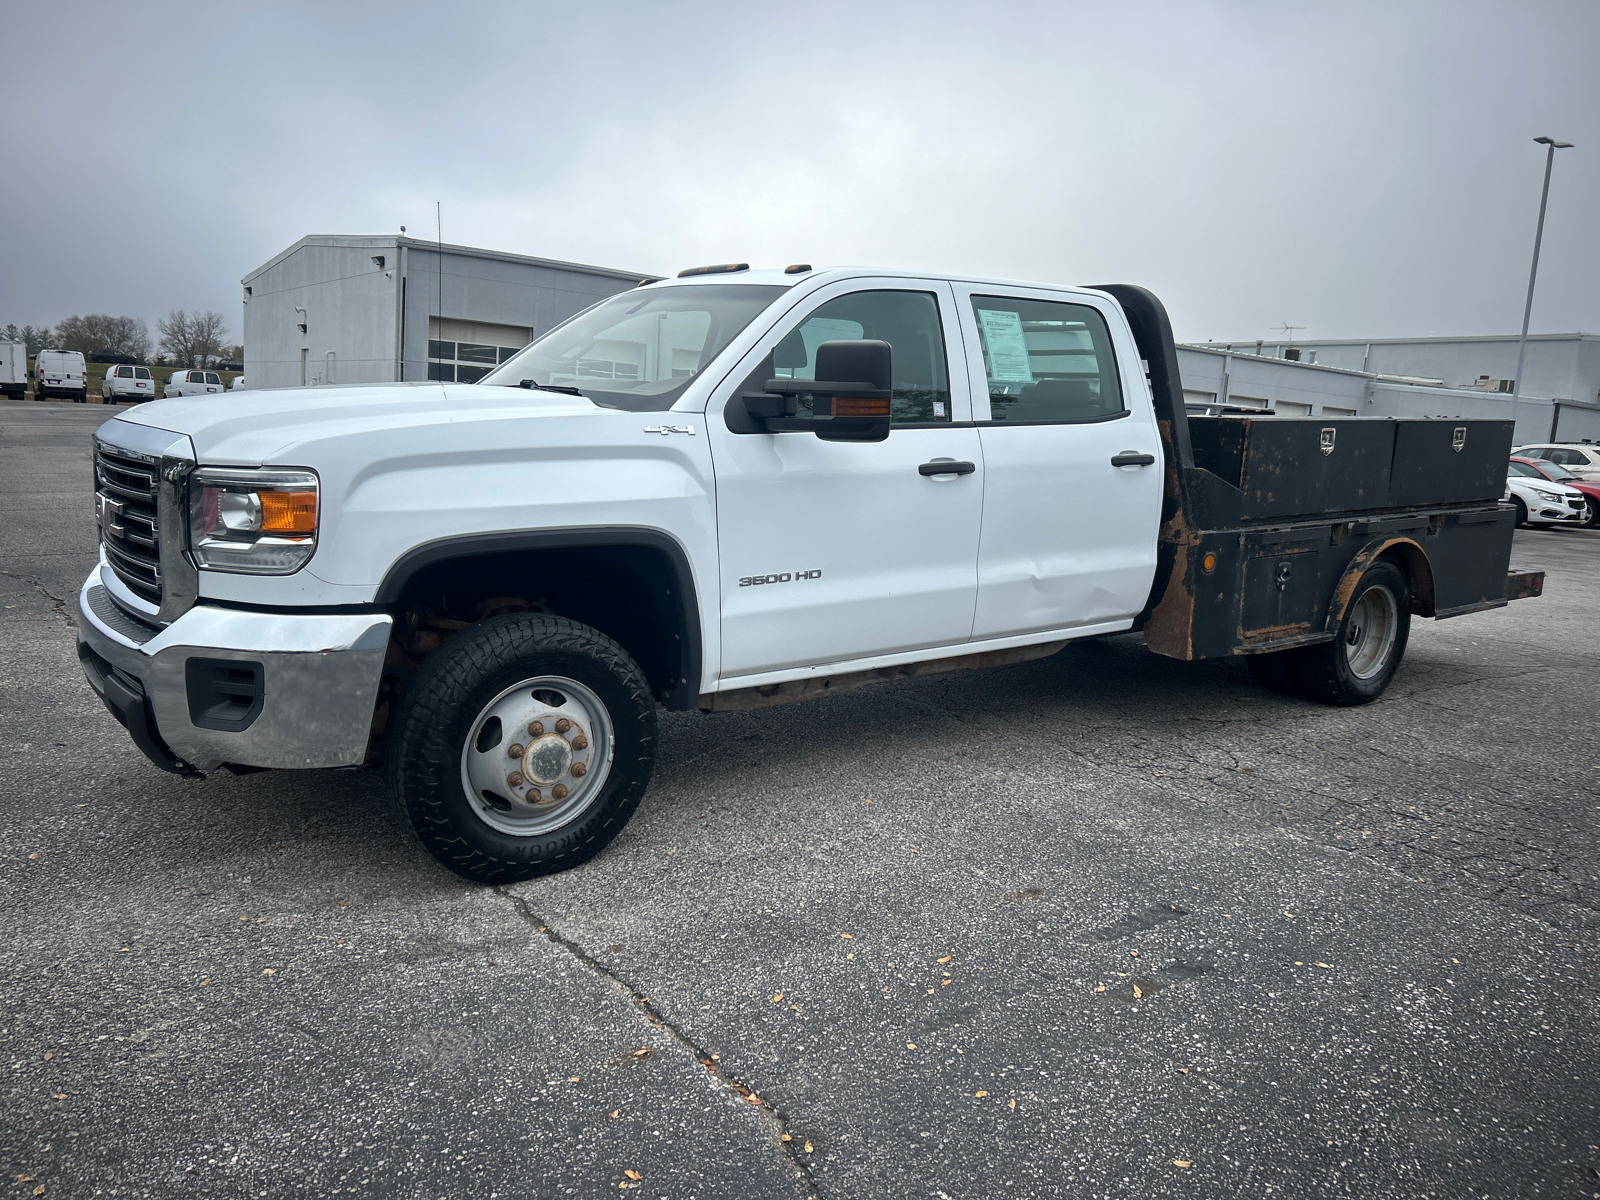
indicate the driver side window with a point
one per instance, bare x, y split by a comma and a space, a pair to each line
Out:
908, 321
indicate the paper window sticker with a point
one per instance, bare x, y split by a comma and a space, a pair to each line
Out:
1005, 348
938, 408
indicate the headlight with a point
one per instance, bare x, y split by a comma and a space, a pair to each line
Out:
1553, 497
256, 521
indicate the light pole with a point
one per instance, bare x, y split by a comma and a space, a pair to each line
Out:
1533, 273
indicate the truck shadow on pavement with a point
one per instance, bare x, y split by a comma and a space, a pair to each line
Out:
341, 821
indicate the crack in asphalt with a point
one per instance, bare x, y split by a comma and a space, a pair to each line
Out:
60, 605
775, 1121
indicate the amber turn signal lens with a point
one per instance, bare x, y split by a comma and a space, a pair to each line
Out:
288, 512
855, 406
1209, 562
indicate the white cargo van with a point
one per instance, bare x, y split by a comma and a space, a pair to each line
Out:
127, 382
13, 369
60, 373
192, 383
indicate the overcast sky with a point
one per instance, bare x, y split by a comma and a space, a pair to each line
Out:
1356, 169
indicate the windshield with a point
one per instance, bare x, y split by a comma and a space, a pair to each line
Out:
1523, 471
641, 349
1552, 471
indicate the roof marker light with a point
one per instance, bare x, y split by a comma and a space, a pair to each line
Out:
719, 269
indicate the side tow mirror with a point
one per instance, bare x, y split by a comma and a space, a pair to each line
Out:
850, 397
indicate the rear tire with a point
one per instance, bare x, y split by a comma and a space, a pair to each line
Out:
1360, 662
1274, 670
447, 725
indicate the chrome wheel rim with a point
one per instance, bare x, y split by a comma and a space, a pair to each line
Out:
1370, 632
537, 756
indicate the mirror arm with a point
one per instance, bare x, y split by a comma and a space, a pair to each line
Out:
765, 406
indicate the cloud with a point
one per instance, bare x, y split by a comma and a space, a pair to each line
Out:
1358, 169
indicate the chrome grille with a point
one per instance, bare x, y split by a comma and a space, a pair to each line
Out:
125, 504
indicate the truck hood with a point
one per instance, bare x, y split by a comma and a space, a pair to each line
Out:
252, 428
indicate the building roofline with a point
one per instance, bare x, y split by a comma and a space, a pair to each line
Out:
364, 241
1419, 382
1385, 377
1398, 341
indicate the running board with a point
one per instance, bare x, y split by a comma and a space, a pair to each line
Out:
795, 690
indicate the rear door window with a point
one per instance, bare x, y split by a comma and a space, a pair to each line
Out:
141, 372
124, 372
213, 377
1567, 458
1047, 361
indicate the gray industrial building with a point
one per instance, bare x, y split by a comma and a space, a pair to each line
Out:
1410, 377
336, 310
1559, 366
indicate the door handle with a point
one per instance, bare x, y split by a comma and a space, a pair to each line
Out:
1132, 458
946, 466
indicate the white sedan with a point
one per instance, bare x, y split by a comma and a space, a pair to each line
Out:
1542, 502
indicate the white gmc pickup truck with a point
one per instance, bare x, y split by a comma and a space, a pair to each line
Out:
731, 489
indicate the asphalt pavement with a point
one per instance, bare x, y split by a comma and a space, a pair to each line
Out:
1101, 925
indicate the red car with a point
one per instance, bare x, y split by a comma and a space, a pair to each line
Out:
1558, 474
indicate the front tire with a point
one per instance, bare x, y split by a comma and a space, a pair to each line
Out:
1522, 511
1592, 520
1360, 662
576, 706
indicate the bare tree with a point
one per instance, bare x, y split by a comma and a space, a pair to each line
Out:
192, 339
206, 331
174, 333
101, 333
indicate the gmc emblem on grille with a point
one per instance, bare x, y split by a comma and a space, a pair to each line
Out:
106, 513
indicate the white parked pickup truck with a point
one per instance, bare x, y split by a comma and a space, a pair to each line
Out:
731, 489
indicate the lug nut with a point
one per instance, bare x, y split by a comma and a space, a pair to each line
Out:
579, 769
514, 779
563, 725
535, 728
517, 749
579, 742
533, 796
559, 792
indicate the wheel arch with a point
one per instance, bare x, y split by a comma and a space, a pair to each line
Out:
1406, 554
675, 676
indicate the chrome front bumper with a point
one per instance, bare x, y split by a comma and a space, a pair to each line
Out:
315, 679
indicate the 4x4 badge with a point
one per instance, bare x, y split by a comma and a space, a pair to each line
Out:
663, 430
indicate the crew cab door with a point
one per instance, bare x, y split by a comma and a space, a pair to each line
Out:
1073, 458
836, 551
